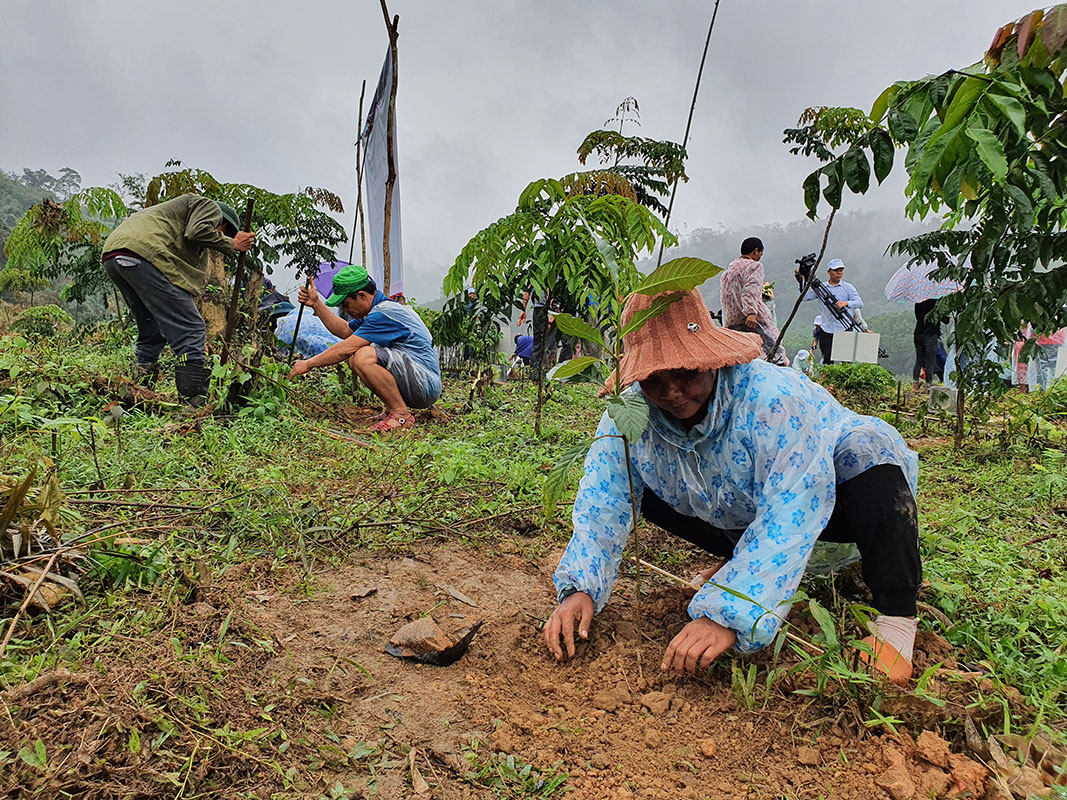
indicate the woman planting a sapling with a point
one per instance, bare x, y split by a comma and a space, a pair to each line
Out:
752, 463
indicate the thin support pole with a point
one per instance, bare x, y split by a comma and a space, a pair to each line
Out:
689, 125
807, 284
296, 328
390, 137
358, 219
238, 279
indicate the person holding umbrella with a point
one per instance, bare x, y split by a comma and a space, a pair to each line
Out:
913, 284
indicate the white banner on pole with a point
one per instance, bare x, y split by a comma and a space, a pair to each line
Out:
375, 172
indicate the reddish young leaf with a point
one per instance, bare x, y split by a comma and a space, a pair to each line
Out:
1000, 38
1026, 31
1054, 30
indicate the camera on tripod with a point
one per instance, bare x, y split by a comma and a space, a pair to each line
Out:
805, 264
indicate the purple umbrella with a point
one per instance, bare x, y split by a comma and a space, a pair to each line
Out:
324, 280
914, 285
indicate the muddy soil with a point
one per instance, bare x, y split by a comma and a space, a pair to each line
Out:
306, 672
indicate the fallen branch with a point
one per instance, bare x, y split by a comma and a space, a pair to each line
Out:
26, 602
41, 682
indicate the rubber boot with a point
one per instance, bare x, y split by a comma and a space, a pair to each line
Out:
144, 373
192, 382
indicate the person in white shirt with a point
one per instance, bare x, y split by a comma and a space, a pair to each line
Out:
847, 298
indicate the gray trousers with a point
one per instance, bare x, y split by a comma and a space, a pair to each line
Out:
164, 313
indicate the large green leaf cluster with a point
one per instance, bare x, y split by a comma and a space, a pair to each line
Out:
986, 146
579, 248
64, 239
295, 226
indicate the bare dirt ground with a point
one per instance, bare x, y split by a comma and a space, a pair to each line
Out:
256, 685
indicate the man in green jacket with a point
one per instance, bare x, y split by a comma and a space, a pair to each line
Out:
158, 260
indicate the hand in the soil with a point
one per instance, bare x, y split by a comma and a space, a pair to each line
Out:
576, 608
697, 645
299, 368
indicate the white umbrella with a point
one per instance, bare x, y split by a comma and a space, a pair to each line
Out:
914, 285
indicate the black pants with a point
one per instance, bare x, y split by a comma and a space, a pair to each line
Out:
875, 510
544, 342
164, 313
925, 356
826, 346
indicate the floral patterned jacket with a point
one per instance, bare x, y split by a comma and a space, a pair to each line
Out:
766, 459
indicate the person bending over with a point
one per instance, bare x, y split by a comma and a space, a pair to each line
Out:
751, 463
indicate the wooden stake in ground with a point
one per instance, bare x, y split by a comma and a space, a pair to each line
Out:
390, 133
296, 328
358, 219
238, 279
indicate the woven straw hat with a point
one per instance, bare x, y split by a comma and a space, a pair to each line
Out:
684, 337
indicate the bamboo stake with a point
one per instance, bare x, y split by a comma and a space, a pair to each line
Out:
231, 316
390, 134
358, 219
688, 124
296, 328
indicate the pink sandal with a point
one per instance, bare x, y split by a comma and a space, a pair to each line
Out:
392, 422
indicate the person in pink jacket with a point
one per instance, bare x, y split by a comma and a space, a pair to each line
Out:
743, 308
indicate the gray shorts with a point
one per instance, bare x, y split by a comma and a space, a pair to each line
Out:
419, 386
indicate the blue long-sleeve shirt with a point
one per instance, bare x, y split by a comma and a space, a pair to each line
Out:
842, 291
766, 459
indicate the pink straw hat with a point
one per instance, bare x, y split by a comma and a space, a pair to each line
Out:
684, 337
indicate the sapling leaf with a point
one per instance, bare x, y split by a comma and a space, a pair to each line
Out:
826, 624
570, 367
677, 275
629, 412
659, 306
991, 151
572, 326
556, 482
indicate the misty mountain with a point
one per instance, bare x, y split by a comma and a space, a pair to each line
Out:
858, 238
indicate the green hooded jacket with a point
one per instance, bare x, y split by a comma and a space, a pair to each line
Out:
174, 237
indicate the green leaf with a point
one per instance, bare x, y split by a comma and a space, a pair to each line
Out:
629, 412
902, 126
572, 326
834, 183
882, 103
882, 149
659, 305
857, 170
1012, 109
1042, 173
1024, 207
826, 624
812, 184
135, 741
37, 757
556, 482
991, 151
571, 367
677, 275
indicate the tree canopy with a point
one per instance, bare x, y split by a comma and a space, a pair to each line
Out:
985, 145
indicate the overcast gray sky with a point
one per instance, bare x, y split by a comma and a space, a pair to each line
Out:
491, 94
